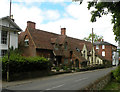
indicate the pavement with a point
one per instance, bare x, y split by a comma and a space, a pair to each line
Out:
69, 81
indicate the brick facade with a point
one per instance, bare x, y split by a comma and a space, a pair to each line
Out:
109, 48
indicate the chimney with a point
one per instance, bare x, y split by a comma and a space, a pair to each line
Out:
63, 31
99, 40
31, 24
102, 40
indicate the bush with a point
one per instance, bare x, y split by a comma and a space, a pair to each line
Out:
116, 74
18, 64
57, 68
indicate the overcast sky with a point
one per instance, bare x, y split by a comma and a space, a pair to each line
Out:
51, 15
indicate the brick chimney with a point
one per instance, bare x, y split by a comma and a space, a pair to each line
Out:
99, 40
31, 24
63, 31
102, 40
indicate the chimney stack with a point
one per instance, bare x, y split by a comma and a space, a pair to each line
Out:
102, 40
31, 24
99, 40
63, 31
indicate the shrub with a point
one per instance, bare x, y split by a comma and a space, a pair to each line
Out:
57, 68
116, 74
18, 64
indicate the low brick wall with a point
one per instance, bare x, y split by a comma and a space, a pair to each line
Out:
99, 83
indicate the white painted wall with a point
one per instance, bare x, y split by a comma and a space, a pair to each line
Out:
13, 37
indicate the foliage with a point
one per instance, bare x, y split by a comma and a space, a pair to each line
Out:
57, 68
18, 63
116, 74
104, 8
112, 86
95, 37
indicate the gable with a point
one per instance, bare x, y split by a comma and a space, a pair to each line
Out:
8, 22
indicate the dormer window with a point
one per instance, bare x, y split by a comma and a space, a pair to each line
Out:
56, 46
26, 42
65, 46
77, 49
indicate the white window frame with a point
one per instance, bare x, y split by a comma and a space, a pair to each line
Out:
103, 53
103, 46
3, 52
4, 37
97, 47
26, 42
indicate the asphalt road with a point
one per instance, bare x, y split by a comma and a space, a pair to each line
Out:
71, 81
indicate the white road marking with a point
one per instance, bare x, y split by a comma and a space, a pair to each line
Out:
55, 87
80, 79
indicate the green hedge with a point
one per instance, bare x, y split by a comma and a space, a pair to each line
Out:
116, 74
18, 64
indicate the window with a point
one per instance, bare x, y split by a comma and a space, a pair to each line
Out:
65, 61
103, 53
103, 46
4, 37
97, 46
65, 46
77, 49
3, 52
84, 53
26, 42
15, 32
56, 46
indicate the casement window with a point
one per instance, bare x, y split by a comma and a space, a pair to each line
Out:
65, 46
3, 52
26, 42
103, 53
97, 46
103, 46
4, 37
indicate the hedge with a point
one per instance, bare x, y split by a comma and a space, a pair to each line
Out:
116, 74
18, 64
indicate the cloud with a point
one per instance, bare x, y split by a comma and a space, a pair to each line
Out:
52, 14
76, 19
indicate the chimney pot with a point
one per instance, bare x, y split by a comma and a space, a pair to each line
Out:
31, 24
63, 31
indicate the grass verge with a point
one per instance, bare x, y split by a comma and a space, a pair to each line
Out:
113, 85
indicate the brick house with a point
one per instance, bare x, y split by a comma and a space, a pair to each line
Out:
59, 48
105, 49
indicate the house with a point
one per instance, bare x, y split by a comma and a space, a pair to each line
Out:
107, 50
8, 24
58, 48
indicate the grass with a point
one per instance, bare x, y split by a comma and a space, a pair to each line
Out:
113, 85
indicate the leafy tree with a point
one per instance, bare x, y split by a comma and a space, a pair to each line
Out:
95, 37
103, 8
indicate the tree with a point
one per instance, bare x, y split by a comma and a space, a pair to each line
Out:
103, 8
95, 37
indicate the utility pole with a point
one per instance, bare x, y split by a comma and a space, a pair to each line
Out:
92, 45
8, 79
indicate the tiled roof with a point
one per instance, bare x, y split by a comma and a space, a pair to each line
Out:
103, 43
46, 40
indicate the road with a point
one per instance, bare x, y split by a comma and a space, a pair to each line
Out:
71, 81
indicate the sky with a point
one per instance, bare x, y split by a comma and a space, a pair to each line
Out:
52, 15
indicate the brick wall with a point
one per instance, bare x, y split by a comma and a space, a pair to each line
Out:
108, 51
